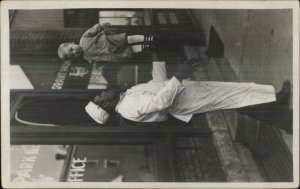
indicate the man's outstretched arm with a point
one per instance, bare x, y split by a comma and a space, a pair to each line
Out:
159, 73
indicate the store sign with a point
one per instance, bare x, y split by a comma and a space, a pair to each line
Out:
26, 165
79, 76
61, 75
77, 169
78, 71
36, 163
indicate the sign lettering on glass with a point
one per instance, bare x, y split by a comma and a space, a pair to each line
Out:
77, 170
61, 75
26, 166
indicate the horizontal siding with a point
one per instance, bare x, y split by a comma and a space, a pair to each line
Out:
45, 19
41, 41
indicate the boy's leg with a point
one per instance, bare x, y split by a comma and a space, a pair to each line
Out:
136, 48
141, 47
136, 39
132, 39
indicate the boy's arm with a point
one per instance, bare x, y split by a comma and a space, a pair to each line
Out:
93, 31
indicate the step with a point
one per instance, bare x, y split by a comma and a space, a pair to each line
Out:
238, 163
276, 161
217, 122
252, 171
229, 157
197, 160
214, 74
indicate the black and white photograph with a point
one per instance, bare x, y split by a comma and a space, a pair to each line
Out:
150, 94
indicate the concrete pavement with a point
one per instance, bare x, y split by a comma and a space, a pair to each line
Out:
257, 43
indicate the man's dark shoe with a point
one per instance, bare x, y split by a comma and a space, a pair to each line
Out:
284, 94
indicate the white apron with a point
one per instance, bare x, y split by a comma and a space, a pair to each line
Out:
205, 96
162, 96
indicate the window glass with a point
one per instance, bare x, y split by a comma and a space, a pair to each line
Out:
82, 163
122, 21
111, 163
162, 19
121, 14
121, 17
173, 18
80, 18
37, 163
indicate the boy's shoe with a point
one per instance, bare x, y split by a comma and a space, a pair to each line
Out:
149, 38
146, 47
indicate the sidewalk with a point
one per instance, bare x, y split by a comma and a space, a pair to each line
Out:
257, 44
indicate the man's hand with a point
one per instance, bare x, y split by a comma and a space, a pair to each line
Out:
185, 69
105, 24
181, 72
98, 98
101, 101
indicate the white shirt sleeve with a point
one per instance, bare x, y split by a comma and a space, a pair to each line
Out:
163, 99
159, 73
186, 117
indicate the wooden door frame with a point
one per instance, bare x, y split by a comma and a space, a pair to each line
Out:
92, 134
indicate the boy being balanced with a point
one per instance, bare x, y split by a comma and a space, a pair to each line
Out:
95, 45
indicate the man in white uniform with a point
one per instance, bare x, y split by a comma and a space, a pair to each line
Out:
160, 97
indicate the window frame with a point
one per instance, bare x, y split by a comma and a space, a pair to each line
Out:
98, 17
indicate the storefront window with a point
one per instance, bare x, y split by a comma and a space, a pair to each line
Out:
82, 163
79, 18
167, 17
110, 163
37, 163
171, 17
121, 17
